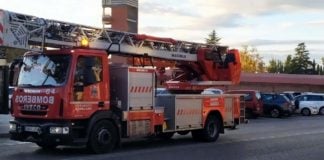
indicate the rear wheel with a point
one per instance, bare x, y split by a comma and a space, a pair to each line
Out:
210, 132
305, 112
321, 111
275, 113
103, 137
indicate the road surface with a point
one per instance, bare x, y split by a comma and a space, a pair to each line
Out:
292, 138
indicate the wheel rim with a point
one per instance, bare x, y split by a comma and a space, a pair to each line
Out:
104, 137
306, 112
212, 129
275, 113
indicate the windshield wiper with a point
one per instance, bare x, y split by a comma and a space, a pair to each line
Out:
26, 85
48, 85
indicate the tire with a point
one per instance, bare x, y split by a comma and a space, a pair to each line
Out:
321, 111
305, 112
103, 137
165, 136
210, 132
46, 146
275, 113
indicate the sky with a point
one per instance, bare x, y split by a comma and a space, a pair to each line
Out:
274, 27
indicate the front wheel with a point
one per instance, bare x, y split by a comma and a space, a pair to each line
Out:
275, 113
305, 112
103, 137
210, 132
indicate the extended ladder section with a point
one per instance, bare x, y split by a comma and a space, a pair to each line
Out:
31, 33
202, 63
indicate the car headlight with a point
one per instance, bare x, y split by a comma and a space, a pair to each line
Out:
59, 130
12, 127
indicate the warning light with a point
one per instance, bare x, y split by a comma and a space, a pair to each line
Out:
84, 42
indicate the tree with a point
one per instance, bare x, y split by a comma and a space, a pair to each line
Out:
288, 64
251, 61
273, 66
213, 38
276, 66
322, 60
300, 62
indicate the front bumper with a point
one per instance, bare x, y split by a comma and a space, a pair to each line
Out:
314, 110
40, 132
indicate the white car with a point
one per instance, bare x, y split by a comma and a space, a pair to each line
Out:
212, 91
311, 103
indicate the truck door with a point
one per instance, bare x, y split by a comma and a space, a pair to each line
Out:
88, 92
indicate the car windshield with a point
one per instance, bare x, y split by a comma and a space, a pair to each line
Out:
44, 70
285, 97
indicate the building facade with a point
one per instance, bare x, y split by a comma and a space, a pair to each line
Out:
268, 82
120, 15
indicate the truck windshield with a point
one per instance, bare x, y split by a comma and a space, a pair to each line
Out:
44, 70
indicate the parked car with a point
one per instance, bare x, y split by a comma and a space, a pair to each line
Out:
310, 103
292, 94
276, 105
212, 91
253, 103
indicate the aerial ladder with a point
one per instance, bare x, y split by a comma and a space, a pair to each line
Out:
200, 65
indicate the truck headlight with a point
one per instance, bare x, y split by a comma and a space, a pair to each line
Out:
12, 127
59, 130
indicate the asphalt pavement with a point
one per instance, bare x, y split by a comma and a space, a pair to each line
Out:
4, 125
291, 138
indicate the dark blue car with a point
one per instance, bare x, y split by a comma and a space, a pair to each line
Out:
276, 105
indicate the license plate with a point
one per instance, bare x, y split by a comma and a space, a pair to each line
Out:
31, 129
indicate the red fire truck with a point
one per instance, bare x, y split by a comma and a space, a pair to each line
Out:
95, 87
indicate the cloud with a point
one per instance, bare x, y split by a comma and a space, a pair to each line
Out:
257, 7
216, 14
149, 7
264, 42
316, 23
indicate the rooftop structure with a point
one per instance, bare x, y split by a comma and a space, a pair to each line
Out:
121, 15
